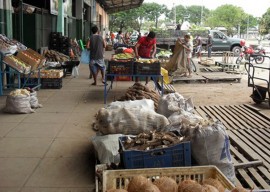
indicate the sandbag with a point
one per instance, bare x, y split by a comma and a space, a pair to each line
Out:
211, 146
127, 121
174, 102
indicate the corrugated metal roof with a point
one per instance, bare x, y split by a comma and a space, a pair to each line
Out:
113, 6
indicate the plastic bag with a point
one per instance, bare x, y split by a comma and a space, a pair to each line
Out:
174, 102
131, 121
144, 103
18, 104
75, 71
85, 57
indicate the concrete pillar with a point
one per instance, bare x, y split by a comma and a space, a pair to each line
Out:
6, 18
60, 17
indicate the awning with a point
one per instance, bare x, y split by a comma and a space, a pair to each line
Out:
113, 6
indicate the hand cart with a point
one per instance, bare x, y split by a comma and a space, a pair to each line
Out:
259, 82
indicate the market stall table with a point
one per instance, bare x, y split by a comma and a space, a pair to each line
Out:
112, 77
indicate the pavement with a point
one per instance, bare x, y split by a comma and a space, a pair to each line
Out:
50, 150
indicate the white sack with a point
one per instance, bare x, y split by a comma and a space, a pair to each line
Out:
18, 104
127, 121
34, 100
172, 103
144, 103
107, 148
210, 145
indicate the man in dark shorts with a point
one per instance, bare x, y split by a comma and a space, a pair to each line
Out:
97, 63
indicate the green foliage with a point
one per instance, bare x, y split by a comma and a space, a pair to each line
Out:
228, 16
264, 27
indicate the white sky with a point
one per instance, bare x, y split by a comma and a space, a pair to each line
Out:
254, 7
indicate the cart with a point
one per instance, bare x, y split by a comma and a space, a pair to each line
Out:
259, 82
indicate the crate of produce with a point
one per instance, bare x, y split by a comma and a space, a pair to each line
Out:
123, 78
144, 68
120, 67
119, 179
51, 83
29, 59
171, 156
17, 64
36, 54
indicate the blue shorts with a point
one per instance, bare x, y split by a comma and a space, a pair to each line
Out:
97, 64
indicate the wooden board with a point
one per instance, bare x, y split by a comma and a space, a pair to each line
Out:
221, 76
194, 77
236, 117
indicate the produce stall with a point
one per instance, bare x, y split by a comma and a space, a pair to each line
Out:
153, 137
125, 66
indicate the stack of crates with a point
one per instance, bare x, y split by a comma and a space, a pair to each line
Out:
54, 43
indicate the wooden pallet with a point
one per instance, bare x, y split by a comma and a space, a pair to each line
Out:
167, 88
236, 116
222, 76
250, 172
227, 66
249, 132
211, 69
188, 79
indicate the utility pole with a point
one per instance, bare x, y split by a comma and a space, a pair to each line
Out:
174, 13
202, 13
247, 26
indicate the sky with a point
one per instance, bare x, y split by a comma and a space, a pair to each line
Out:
254, 7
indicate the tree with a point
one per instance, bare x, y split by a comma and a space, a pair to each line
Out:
197, 13
228, 16
264, 27
153, 11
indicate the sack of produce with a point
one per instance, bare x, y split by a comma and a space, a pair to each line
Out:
34, 100
18, 101
107, 147
129, 121
184, 119
144, 103
211, 146
173, 102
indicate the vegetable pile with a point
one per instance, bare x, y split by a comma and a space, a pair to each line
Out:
139, 92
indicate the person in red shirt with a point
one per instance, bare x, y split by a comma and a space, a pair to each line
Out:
146, 48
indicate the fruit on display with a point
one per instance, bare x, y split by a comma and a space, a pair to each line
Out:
149, 61
121, 56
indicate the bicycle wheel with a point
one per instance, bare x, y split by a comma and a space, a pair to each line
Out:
238, 60
259, 59
193, 66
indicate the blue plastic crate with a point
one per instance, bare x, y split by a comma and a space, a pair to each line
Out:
174, 156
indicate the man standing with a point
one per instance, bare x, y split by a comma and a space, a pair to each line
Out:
146, 48
97, 46
198, 45
209, 45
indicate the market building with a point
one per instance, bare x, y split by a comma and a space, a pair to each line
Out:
31, 22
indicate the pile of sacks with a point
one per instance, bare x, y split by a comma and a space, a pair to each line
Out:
22, 101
